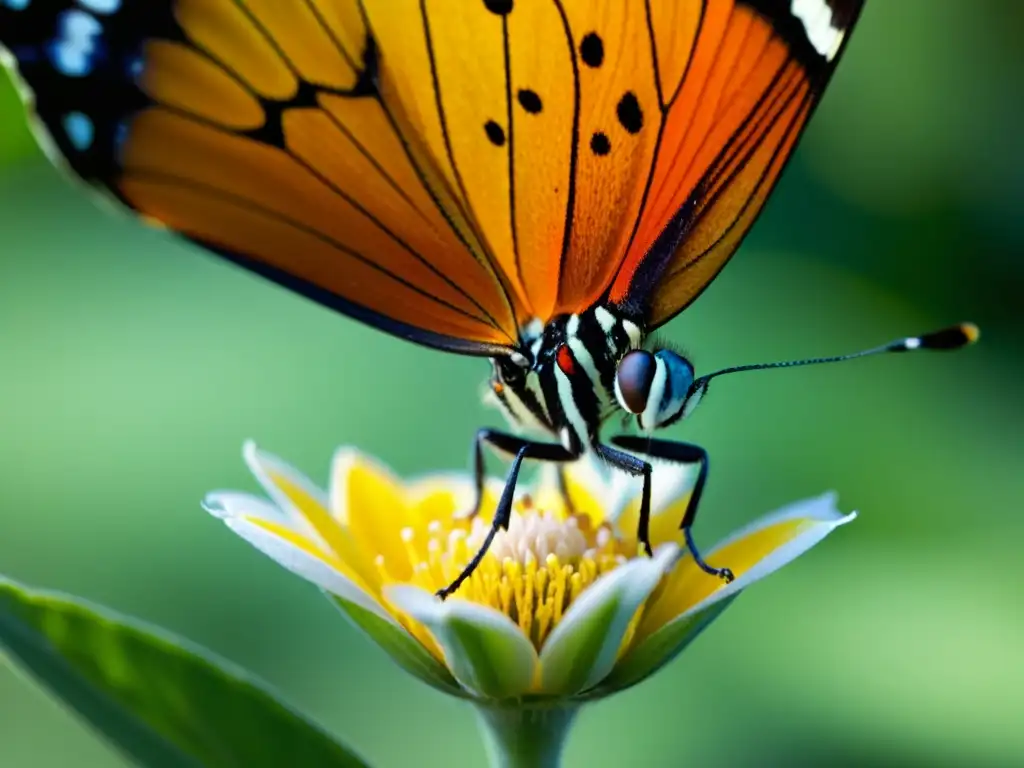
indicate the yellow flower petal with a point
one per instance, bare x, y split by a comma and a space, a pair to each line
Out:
311, 548
440, 498
303, 559
370, 503
593, 496
670, 494
664, 525
751, 554
292, 491
447, 500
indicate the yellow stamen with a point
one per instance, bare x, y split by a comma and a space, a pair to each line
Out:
532, 572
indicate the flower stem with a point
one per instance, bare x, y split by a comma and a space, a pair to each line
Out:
532, 736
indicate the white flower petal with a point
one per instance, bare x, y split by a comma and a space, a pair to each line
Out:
822, 510
582, 649
228, 504
486, 652
668, 483
307, 566
263, 465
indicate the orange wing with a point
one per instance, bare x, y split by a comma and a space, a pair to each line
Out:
446, 172
608, 150
261, 130
733, 102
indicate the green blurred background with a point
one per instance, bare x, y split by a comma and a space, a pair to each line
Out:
133, 367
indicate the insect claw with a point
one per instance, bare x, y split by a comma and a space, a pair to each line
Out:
443, 594
724, 574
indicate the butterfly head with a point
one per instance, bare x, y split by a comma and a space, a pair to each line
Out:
658, 387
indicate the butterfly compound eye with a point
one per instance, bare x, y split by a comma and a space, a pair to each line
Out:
633, 379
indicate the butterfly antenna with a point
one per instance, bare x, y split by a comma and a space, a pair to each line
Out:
954, 337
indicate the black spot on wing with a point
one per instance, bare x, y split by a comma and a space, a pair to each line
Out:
500, 7
495, 133
592, 50
631, 117
529, 100
599, 144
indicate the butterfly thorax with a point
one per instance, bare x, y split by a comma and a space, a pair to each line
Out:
562, 378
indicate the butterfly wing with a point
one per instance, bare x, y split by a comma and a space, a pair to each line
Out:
611, 151
732, 107
445, 173
618, 151
264, 131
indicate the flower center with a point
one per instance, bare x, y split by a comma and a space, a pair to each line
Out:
531, 573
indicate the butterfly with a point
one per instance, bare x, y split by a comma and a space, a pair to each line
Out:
540, 182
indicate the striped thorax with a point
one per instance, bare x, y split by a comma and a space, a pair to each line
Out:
577, 370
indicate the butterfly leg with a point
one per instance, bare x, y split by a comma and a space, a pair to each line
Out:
523, 449
678, 453
504, 442
638, 468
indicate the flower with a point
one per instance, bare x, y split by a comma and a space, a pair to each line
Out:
564, 608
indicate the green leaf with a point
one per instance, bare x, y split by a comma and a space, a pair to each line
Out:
16, 141
157, 699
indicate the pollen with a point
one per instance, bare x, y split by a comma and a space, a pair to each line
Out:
532, 572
